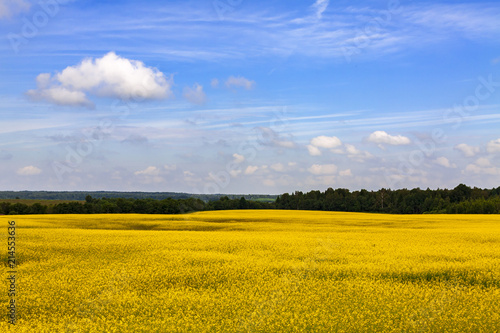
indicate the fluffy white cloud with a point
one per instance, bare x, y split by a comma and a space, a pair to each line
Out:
325, 169
313, 151
328, 142
356, 154
109, 76
238, 158
467, 151
149, 171
284, 143
443, 161
29, 171
269, 182
381, 137
483, 166
214, 83
250, 170
493, 146
234, 173
278, 167
195, 95
171, 167
12, 7
322, 141
483, 162
240, 82
352, 150
345, 173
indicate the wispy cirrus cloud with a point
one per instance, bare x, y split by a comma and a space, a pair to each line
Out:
320, 6
278, 32
472, 20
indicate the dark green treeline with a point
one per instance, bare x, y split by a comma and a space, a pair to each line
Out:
460, 200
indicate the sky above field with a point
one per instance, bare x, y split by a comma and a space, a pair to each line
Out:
239, 96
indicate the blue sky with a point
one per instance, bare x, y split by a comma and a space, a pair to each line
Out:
238, 96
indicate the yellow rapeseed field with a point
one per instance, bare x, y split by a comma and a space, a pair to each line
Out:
255, 271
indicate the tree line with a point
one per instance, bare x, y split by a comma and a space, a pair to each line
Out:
81, 195
130, 205
460, 200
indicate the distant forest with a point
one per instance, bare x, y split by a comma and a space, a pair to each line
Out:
81, 195
460, 200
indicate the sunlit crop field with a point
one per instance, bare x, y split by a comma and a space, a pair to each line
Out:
256, 271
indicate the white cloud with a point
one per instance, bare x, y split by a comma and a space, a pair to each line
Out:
234, 173
345, 173
381, 137
356, 154
110, 76
272, 138
250, 170
149, 171
171, 167
325, 169
60, 96
483, 166
188, 173
238, 158
352, 150
326, 142
269, 182
483, 162
493, 146
443, 161
284, 143
467, 151
471, 20
337, 151
29, 171
240, 81
9, 8
320, 7
278, 167
214, 83
195, 95
313, 151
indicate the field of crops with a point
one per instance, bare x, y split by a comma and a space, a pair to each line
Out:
256, 271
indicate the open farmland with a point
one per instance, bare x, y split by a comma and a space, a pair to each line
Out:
256, 271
